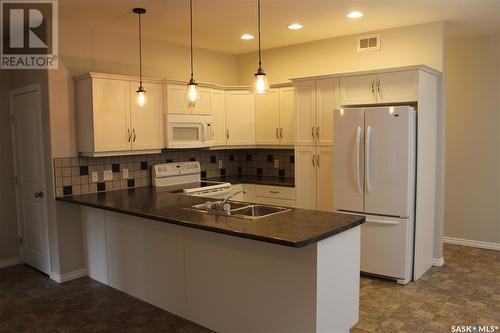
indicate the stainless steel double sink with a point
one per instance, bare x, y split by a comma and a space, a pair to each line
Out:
241, 210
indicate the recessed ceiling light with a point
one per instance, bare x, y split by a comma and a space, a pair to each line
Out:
295, 26
247, 36
354, 14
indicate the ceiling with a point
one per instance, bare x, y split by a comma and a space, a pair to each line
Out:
218, 24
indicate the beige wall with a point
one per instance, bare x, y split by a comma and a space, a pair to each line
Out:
8, 223
419, 44
472, 199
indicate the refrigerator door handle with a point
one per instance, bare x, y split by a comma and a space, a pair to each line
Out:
368, 153
358, 148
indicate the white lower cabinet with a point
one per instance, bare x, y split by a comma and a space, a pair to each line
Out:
314, 177
265, 194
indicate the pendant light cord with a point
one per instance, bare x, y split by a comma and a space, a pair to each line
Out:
140, 51
259, 28
191, 33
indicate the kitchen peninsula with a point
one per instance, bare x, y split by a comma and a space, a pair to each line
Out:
297, 271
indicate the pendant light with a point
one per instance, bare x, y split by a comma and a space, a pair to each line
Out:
141, 98
192, 95
261, 84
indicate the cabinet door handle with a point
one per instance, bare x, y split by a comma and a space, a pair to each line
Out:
373, 87
38, 194
317, 160
378, 88
129, 135
277, 136
313, 158
135, 135
317, 132
274, 192
281, 133
227, 134
312, 132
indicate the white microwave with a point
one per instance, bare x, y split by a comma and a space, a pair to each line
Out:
188, 131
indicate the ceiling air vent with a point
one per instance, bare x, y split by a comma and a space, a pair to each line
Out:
369, 43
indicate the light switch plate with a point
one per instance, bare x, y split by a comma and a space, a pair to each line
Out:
276, 164
108, 175
95, 177
125, 173
220, 164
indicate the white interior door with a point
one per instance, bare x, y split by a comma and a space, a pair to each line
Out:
389, 160
146, 121
31, 199
348, 165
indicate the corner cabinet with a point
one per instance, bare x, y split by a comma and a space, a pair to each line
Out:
240, 118
176, 100
109, 122
274, 117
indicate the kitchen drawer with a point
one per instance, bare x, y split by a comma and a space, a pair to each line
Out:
275, 202
277, 192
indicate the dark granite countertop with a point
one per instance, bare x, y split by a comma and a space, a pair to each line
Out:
259, 180
296, 228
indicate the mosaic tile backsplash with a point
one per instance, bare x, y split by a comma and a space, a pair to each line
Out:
74, 175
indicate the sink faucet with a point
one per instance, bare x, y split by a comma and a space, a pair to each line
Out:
231, 196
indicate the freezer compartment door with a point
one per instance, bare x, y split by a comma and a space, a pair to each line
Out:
348, 154
389, 160
387, 247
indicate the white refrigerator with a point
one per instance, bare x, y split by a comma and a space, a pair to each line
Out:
374, 175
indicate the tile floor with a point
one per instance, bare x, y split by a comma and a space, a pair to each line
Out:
465, 291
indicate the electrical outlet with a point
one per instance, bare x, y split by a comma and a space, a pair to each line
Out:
95, 177
276, 164
125, 173
220, 164
108, 175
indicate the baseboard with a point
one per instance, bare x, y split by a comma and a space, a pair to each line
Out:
472, 243
438, 262
60, 278
10, 262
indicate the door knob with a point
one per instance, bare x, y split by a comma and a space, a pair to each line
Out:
39, 194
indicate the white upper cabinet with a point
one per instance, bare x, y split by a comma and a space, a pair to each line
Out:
326, 102
397, 87
146, 121
392, 87
315, 102
219, 114
267, 118
176, 100
111, 115
274, 117
240, 117
305, 111
109, 122
358, 89
287, 115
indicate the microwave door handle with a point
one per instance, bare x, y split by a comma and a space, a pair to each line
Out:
204, 131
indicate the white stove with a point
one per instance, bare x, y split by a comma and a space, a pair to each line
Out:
185, 178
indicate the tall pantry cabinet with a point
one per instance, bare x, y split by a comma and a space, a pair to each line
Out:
315, 101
